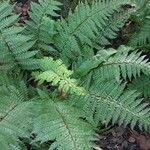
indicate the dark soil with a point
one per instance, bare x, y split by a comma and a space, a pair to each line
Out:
124, 139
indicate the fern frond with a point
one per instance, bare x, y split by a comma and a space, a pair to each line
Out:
142, 85
61, 123
14, 46
41, 25
82, 25
58, 74
112, 26
15, 116
124, 64
141, 17
142, 36
10, 78
93, 62
140, 3
108, 101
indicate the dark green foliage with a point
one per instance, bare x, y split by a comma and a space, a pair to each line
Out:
14, 46
111, 27
141, 37
124, 64
92, 63
108, 101
142, 85
41, 25
15, 114
57, 119
60, 77
81, 27
71, 4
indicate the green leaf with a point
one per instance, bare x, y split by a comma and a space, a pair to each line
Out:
58, 74
61, 123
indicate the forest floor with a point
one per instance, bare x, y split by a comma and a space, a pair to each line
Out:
118, 138
124, 139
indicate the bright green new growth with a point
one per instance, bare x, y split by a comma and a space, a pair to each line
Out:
57, 73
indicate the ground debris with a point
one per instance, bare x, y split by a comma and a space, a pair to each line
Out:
119, 139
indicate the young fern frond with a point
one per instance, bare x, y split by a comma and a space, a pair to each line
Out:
82, 25
61, 123
109, 101
41, 25
14, 46
15, 116
58, 74
142, 85
124, 64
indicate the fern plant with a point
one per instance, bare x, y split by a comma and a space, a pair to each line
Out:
141, 84
141, 36
14, 46
42, 26
57, 73
73, 30
107, 100
125, 65
15, 114
61, 76
58, 118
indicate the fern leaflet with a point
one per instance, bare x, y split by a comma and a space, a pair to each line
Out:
57, 73
59, 122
